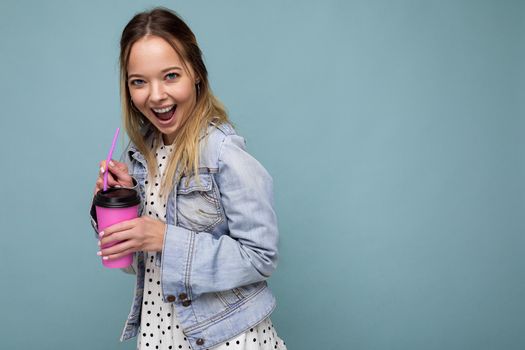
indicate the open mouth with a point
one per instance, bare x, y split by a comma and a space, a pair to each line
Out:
164, 114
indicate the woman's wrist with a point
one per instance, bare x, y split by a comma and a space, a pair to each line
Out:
160, 236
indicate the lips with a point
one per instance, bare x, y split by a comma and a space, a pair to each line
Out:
165, 115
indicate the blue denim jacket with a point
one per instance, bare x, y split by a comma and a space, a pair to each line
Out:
220, 243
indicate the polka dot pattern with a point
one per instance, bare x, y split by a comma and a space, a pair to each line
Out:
160, 328
158, 318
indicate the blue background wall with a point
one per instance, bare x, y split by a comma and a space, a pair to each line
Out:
393, 130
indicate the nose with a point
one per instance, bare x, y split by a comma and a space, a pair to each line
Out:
158, 92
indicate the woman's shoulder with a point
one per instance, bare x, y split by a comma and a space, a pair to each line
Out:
212, 140
215, 134
219, 130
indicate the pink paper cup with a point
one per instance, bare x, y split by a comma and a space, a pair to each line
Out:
113, 206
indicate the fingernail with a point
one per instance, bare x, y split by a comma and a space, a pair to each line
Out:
101, 234
99, 243
105, 257
102, 170
111, 163
99, 253
118, 186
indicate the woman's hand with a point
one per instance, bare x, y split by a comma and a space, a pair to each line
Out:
140, 234
117, 176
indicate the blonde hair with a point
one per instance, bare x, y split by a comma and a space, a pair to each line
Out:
207, 110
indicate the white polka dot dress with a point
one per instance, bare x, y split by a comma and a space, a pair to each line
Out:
159, 326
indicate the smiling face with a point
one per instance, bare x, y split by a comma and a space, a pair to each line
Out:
160, 87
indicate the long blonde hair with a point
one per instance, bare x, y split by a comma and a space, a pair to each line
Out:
207, 110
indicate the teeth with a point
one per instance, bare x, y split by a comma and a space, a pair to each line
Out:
163, 110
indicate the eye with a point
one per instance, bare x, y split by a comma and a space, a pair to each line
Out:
171, 76
137, 82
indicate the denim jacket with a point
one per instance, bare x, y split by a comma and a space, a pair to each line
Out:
220, 243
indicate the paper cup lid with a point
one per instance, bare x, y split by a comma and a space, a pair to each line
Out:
115, 197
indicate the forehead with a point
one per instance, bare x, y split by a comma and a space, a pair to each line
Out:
152, 54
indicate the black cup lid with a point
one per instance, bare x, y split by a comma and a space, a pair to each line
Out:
115, 197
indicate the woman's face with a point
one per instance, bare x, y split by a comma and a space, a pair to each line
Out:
160, 88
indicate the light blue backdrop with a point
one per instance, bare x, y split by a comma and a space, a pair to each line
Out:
393, 130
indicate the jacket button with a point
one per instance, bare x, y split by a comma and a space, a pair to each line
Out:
186, 303
200, 341
171, 298
183, 296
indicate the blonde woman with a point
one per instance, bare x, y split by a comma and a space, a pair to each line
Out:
206, 238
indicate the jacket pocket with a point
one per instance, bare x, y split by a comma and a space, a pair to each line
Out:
229, 297
198, 203
251, 289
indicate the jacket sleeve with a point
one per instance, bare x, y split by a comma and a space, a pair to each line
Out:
198, 262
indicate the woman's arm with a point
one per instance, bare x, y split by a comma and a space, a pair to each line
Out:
197, 262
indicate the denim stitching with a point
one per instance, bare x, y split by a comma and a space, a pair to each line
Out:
188, 272
225, 313
215, 201
218, 294
251, 326
188, 265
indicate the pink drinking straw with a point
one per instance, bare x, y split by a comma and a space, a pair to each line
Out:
110, 154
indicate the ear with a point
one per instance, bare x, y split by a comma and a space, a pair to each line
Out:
198, 80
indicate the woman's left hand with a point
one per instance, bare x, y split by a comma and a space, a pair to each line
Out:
140, 234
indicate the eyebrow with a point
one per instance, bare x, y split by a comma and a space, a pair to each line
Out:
163, 71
